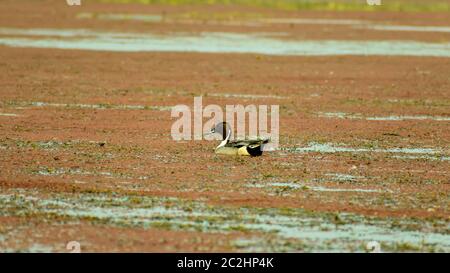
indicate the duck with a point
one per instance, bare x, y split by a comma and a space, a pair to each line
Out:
247, 147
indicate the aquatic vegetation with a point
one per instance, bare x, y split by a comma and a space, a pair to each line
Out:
409, 6
309, 230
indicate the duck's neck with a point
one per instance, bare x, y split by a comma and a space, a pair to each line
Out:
225, 141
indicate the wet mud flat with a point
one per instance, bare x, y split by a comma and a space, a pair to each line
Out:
86, 153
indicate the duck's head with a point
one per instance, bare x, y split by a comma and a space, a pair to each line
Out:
221, 128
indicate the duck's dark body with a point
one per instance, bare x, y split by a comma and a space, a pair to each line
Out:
237, 147
247, 147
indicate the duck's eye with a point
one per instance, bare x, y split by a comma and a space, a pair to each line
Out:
213, 130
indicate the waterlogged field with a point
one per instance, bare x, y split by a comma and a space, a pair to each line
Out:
86, 152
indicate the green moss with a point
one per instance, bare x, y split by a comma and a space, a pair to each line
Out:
407, 247
238, 228
267, 175
162, 225
338, 220
354, 5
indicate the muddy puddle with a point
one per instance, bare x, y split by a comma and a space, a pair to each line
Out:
211, 42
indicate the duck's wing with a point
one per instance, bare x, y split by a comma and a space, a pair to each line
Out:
247, 142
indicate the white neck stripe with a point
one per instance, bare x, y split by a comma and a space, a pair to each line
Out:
225, 141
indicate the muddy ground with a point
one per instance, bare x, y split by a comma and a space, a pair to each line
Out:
86, 153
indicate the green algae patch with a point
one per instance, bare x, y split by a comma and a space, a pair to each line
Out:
405, 6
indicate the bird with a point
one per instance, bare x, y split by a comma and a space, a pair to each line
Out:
245, 147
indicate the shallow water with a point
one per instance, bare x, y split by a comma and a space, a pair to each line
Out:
336, 148
46, 171
343, 115
93, 106
122, 17
313, 21
212, 42
9, 115
74, 171
344, 177
313, 188
423, 157
420, 117
317, 231
34, 248
246, 96
409, 28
